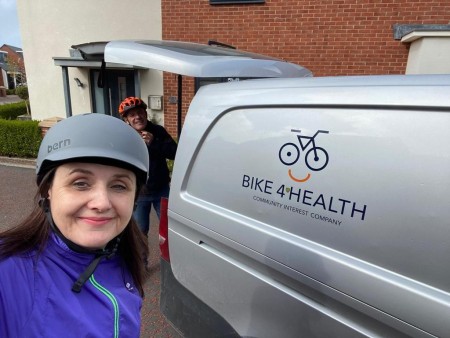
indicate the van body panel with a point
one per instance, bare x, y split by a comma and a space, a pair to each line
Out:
228, 292
322, 199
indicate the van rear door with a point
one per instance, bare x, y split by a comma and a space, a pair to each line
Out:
199, 60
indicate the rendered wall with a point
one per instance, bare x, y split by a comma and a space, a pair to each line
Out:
429, 55
50, 27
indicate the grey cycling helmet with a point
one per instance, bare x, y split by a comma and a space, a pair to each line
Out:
93, 138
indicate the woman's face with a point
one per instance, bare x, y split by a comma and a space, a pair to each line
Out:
91, 203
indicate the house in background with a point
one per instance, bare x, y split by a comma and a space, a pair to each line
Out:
50, 28
12, 67
3, 74
349, 37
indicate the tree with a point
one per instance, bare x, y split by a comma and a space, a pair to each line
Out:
22, 92
16, 69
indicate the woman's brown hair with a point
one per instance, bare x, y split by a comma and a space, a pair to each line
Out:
33, 233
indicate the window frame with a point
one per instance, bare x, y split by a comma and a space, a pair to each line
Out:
235, 2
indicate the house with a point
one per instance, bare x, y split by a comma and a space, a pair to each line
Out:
49, 30
348, 37
12, 65
3, 74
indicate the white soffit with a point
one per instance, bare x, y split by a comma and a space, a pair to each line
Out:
424, 34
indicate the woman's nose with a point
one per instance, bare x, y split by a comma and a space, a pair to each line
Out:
100, 199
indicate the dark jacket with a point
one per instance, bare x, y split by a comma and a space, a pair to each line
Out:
162, 147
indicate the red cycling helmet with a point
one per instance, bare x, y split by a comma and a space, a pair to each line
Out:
129, 103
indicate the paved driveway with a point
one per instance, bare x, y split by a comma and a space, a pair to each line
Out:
9, 99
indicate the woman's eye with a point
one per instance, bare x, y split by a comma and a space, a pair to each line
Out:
119, 187
80, 184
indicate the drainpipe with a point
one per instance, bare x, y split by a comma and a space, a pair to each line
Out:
180, 104
67, 99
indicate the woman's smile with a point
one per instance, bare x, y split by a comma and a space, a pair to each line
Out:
96, 220
92, 203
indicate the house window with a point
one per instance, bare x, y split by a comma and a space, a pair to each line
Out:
227, 2
3, 56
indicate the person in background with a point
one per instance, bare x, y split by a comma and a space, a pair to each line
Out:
161, 147
74, 267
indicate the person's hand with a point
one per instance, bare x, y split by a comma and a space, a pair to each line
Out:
147, 137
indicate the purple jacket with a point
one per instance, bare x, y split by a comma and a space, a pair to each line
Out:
36, 299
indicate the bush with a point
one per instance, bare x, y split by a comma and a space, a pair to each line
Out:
19, 138
10, 92
170, 165
10, 111
22, 92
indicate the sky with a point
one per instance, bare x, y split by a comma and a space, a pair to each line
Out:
9, 24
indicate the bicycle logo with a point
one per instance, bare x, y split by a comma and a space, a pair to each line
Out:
316, 158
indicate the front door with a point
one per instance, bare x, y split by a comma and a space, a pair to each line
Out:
113, 87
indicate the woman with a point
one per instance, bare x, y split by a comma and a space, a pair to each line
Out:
73, 267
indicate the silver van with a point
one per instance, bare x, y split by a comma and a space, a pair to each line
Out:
312, 207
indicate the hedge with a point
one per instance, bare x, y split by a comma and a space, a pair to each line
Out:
10, 111
19, 138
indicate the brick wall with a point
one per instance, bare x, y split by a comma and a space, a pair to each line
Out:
335, 37
170, 109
